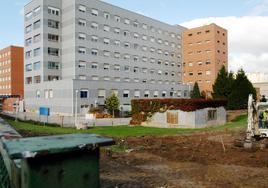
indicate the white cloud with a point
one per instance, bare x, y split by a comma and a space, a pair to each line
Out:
260, 9
248, 40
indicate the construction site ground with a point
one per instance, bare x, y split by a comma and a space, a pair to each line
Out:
207, 159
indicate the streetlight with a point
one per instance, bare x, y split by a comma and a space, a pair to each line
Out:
75, 113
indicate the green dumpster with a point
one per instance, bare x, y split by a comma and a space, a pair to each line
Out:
64, 161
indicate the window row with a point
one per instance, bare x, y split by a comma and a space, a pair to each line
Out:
126, 33
126, 68
200, 73
206, 51
118, 55
36, 11
135, 80
4, 79
3, 87
128, 45
2, 63
206, 32
6, 54
5, 70
190, 64
35, 25
126, 21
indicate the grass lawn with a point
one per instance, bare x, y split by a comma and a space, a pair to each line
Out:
121, 131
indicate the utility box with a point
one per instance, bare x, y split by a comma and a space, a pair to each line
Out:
64, 161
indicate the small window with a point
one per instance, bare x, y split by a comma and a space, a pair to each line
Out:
94, 12
94, 25
82, 36
82, 64
53, 51
82, 8
53, 11
101, 93
127, 21
82, 50
106, 41
106, 16
94, 52
126, 94
53, 24
117, 18
84, 93
212, 115
53, 38
106, 28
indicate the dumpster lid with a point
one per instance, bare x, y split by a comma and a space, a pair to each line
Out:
41, 146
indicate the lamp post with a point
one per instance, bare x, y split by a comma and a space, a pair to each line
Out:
75, 112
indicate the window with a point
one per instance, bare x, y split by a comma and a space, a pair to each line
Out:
208, 72
212, 115
144, 37
127, 45
127, 79
207, 31
117, 79
82, 36
53, 78
53, 24
53, 11
117, 67
37, 65
208, 62
136, 35
29, 67
82, 50
117, 18
94, 12
126, 33
94, 66
117, 43
106, 16
127, 68
136, 69
83, 93
82, 8
116, 54
95, 78
191, 73
28, 16
29, 80
106, 41
28, 42
38, 93
199, 73
53, 51
28, 54
50, 93
37, 10
137, 94
106, 28
94, 38
106, 66
117, 31
147, 94
164, 94
82, 22
126, 94
127, 21
53, 38
37, 24
94, 52
144, 26
135, 24
106, 53
28, 29
82, 64
82, 77
156, 93
53, 65
37, 38
46, 94
37, 79
101, 93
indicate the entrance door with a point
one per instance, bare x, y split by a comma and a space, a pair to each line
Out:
172, 117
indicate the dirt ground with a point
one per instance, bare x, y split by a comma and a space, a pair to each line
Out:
197, 160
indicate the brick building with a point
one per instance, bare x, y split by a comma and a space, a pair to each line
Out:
11, 76
205, 51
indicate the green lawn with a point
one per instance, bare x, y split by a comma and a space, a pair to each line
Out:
121, 131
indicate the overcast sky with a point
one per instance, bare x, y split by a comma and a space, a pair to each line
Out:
246, 21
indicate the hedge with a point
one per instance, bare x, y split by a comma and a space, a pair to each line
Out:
144, 108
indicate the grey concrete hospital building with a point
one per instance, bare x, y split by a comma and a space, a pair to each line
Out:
89, 49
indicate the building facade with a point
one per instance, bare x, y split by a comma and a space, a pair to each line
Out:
205, 51
11, 77
79, 52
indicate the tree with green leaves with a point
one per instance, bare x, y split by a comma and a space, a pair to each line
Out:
223, 85
112, 103
196, 92
241, 88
